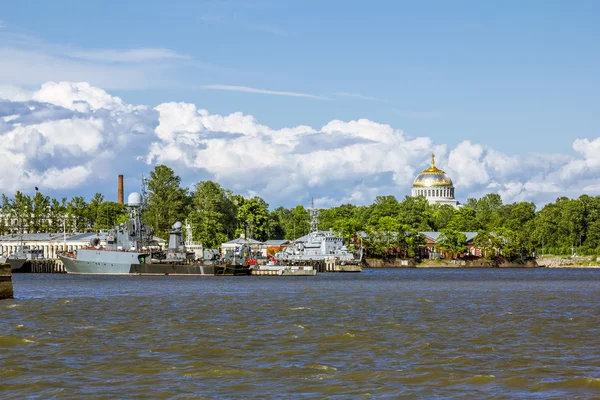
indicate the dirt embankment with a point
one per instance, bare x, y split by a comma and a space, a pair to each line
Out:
568, 262
399, 263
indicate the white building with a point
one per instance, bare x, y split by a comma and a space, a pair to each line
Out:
50, 243
435, 185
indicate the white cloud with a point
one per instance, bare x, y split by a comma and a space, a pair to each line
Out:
357, 96
74, 138
263, 91
128, 56
14, 93
81, 97
28, 61
270, 29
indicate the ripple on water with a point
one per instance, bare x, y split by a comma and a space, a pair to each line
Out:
573, 383
381, 334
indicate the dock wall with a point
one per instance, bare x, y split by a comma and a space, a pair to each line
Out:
51, 266
6, 287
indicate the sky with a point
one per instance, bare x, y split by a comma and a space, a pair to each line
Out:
340, 101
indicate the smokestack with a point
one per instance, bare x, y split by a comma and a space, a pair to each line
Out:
120, 190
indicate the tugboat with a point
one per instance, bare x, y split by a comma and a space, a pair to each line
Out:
131, 249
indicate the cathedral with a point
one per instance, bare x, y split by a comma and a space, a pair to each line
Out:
435, 185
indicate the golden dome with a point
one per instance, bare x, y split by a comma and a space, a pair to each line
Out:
432, 177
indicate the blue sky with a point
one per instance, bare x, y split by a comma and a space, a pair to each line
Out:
519, 77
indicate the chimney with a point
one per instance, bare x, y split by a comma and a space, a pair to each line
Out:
120, 190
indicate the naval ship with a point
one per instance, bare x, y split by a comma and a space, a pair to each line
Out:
18, 258
130, 249
323, 249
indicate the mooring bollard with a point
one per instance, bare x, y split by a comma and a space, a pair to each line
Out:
6, 288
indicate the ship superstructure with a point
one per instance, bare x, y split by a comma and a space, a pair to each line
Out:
131, 249
318, 247
126, 246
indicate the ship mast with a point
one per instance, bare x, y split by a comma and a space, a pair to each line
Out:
314, 218
188, 233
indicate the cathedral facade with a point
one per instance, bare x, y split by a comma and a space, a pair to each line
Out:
435, 185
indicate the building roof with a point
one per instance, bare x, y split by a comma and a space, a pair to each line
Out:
276, 242
435, 236
240, 241
32, 237
80, 237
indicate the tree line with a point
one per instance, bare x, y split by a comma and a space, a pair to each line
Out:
387, 226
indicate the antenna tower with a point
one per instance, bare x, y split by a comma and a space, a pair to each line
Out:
314, 217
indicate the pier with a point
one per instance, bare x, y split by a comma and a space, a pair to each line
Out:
48, 266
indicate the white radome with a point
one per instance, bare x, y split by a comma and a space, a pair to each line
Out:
134, 200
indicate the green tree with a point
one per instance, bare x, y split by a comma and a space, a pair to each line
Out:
464, 220
442, 215
167, 202
416, 212
213, 215
253, 218
58, 215
415, 242
77, 209
452, 242
40, 213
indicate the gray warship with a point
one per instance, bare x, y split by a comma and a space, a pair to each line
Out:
18, 258
130, 249
323, 249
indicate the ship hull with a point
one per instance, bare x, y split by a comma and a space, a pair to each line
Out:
74, 266
17, 265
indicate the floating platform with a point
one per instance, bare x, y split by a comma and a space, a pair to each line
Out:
284, 270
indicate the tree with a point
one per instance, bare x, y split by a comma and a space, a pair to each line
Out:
442, 215
416, 212
452, 242
253, 218
275, 226
213, 214
299, 223
93, 211
77, 209
347, 228
415, 242
464, 220
110, 214
40, 213
21, 211
58, 215
167, 202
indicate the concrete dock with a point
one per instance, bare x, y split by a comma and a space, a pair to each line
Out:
283, 270
47, 266
6, 287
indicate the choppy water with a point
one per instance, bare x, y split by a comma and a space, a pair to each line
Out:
434, 333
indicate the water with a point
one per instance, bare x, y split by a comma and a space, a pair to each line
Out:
427, 333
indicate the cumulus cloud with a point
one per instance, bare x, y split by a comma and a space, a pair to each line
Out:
74, 138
